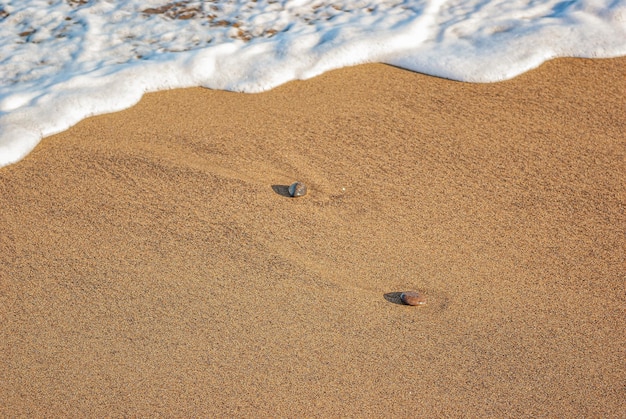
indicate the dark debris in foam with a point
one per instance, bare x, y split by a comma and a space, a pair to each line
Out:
77, 3
177, 10
182, 10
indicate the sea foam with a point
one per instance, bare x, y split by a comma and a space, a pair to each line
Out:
64, 60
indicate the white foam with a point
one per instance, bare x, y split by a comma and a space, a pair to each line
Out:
64, 60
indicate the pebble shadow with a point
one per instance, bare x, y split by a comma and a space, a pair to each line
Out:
282, 190
394, 297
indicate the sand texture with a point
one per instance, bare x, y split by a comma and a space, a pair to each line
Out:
152, 264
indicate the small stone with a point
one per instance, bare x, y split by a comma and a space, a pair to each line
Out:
413, 298
297, 189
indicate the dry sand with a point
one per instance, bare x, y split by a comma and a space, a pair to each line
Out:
150, 263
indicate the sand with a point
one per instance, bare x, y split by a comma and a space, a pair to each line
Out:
151, 264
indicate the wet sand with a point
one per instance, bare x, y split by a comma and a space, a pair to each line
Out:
151, 264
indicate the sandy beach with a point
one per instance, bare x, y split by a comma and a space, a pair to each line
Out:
151, 263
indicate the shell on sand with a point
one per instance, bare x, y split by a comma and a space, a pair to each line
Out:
297, 189
413, 298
